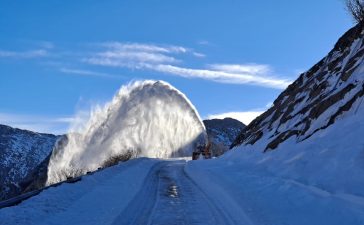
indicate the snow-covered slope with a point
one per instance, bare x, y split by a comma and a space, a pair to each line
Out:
317, 181
302, 161
96, 199
221, 133
317, 99
20, 152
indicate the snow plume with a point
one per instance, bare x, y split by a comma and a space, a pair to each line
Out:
145, 119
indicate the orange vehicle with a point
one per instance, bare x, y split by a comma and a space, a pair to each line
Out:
204, 150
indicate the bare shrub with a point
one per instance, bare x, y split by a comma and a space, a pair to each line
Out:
117, 158
356, 9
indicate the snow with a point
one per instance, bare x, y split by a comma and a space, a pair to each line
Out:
317, 181
20, 152
96, 199
267, 199
144, 119
141, 191
340, 73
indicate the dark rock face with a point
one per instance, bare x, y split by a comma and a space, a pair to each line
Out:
21, 152
37, 178
316, 99
222, 133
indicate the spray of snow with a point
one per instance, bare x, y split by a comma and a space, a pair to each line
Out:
145, 119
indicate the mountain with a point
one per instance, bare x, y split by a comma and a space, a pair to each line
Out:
302, 161
221, 133
21, 151
317, 99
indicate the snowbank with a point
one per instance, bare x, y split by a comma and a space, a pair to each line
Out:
317, 181
96, 199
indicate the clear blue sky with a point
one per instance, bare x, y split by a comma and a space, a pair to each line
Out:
59, 57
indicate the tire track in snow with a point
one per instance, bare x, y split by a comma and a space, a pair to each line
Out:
170, 196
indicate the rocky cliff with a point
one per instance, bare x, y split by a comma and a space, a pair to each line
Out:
21, 151
317, 99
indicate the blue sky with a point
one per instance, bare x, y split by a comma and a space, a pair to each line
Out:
229, 57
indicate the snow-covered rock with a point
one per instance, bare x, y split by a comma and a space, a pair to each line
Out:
313, 135
221, 133
302, 161
330, 91
20, 152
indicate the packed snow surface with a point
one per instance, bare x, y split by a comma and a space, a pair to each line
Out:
96, 199
316, 181
218, 191
149, 118
140, 191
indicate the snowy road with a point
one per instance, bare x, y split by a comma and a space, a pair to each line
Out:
150, 191
141, 191
169, 196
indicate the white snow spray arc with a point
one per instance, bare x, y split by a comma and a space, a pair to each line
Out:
144, 119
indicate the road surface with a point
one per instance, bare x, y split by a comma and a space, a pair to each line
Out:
170, 196
141, 191
151, 191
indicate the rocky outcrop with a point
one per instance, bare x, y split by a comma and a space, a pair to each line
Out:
221, 133
316, 99
21, 152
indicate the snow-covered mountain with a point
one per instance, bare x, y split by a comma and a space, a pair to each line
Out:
301, 162
330, 91
221, 133
20, 152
